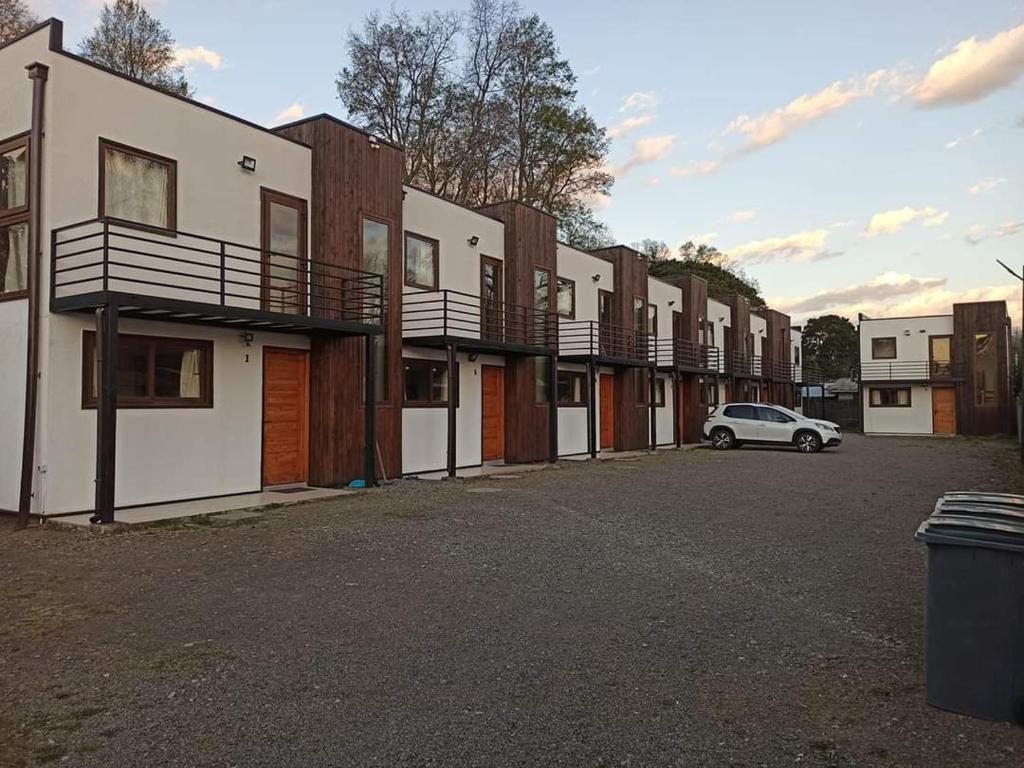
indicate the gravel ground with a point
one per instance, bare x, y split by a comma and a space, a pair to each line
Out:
757, 607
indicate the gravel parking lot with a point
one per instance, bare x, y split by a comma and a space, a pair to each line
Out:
757, 607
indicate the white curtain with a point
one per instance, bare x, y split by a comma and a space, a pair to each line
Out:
12, 179
135, 189
190, 383
13, 257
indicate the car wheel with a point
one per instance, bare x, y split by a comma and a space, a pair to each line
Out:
722, 439
808, 442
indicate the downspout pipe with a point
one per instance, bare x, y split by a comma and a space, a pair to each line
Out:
38, 74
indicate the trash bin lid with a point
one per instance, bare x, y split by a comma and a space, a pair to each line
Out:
1005, 533
983, 497
974, 509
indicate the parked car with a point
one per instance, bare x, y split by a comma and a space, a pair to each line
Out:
732, 425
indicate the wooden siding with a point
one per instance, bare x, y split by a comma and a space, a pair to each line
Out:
530, 242
740, 328
969, 319
694, 306
632, 430
352, 178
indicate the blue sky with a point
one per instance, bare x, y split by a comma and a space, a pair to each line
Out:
860, 156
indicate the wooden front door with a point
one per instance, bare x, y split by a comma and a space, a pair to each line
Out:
285, 416
944, 410
607, 411
493, 382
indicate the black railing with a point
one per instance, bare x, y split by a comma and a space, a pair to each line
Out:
742, 364
109, 255
592, 339
688, 355
908, 370
777, 369
457, 315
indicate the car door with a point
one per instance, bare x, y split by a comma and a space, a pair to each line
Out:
773, 426
742, 420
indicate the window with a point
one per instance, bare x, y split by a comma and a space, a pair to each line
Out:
13, 218
641, 387
883, 348
421, 263
542, 303
652, 319
137, 186
772, 415
572, 388
154, 372
540, 380
659, 393
376, 246
741, 412
640, 314
566, 298
796, 355
711, 335
701, 334
426, 383
889, 397
986, 366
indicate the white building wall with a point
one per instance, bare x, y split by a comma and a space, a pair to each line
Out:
915, 420
796, 354
719, 315
572, 420
759, 327
911, 335
665, 417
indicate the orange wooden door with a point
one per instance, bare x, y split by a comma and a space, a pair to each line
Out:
607, 411
285, 416
493, 382
943, 410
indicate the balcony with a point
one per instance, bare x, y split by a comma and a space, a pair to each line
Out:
439, 318
687, 355
910, 370
777, 370
743, 365
603, 343
182, 277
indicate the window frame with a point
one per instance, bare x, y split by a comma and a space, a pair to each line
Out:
652, 318
436, 266
642, 393
382, 378
559, 281
19, 215
584, 390
895, 348
172, 182
660, 391
421, 362
872, 390
150, 401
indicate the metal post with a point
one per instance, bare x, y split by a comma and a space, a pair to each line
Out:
223, 268
452, 429
552, 408
677, 410
106, 411
652, 407
370, 411
591, 412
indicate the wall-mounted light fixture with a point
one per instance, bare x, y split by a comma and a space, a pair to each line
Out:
374, 142
721, 319
596, 278
474, 357
247, 164
672, 303
247, 338
473, 241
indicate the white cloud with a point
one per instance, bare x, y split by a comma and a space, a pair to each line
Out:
961, 139
645, 151
640, 101
973, 70
189, 57
208, 100
704, 237
290, 114
701, 168
808, 245
738, 217
976, 233
985, 185
887, 222
886, 286
654, 182
627, 126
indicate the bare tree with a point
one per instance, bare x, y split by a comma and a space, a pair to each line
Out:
131, 41
15, 18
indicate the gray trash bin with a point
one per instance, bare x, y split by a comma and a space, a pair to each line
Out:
974, 656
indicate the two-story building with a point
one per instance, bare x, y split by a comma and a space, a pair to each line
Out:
939, 374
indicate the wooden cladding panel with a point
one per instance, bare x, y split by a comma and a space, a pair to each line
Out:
530, 242
694, 306
779, 336
693, 412
352, 178
970, 319
630, 270
740, 328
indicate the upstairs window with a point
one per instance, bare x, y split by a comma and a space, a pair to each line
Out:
137, 186
13, 177
986, 370
13, 218
566, 298
883, 348
421, 264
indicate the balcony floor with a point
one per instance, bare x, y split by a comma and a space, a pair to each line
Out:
481, 346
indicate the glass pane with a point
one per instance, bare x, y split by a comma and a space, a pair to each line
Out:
883, 349
13, 173
136, 188
985, 370
132, 369
286, 281
540, 382
566, 297
417, 383
639, 314
438, 384
178, 373
14, 258
375, 247
420, 257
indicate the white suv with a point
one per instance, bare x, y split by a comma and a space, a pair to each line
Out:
732, 425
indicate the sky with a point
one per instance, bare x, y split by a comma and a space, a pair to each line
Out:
851, 157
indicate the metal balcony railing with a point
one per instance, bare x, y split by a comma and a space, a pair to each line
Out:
688, 355
592, 339
778, 370
106, 255
909, 370
742, 364
456, 315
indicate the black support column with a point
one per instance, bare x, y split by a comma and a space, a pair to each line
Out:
452, 397
552, 408
370, 411
677, 408
652, 407
591, 412
106, 411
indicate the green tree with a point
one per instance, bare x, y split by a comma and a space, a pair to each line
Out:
723, 276
129, 40
579, 228
15, 18
830, 343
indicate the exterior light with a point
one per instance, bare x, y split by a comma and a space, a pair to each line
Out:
374, 142
473, 240
596, 278
248, 164
672, 303
247, 338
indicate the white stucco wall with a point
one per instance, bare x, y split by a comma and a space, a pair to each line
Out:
13, 349
915, 420
572, 420
666, 416
911, 335
758, 327
667, 298
720, 316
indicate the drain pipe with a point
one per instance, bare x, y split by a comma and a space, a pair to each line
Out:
38, 74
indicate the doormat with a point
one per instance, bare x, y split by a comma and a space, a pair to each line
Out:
292, 489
